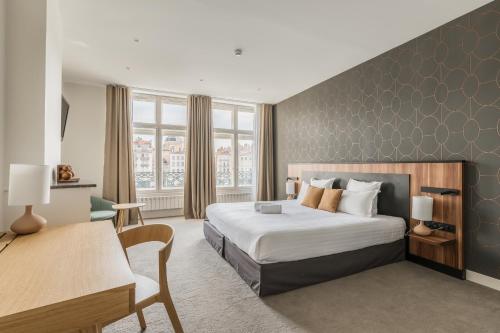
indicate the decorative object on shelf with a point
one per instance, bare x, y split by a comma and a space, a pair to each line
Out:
29, 185
290, 188
65, 174
421, 209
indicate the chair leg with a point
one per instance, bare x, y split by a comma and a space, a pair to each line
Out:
172, 314
118, 220
121, 220
140, 216
140, 316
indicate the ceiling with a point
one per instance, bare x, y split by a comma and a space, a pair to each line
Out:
187, 46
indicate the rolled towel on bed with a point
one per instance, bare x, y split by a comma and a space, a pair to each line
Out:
258, 204
270, 209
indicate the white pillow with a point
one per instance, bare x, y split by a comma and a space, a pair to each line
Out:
357, 202
302, 192
322, 183
356, 186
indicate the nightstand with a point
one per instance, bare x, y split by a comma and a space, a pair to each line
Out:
438, 250
432, 239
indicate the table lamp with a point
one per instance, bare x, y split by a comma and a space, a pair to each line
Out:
421, 209
290, 189
29, 185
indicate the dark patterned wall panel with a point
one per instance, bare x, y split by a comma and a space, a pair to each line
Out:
436, 97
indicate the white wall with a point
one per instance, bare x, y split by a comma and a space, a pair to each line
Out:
53, 84
25, 81
33, 80
83, 144
2, 108
34, 77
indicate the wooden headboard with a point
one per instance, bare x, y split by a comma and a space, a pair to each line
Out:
448, 209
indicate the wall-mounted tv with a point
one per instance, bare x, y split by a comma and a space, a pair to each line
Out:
64, 115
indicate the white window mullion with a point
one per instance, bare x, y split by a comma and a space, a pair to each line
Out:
159, 150
235, 142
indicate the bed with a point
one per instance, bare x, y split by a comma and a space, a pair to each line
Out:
304, 246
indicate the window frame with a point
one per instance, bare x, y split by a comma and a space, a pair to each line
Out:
159, 128
235, 132
171, 132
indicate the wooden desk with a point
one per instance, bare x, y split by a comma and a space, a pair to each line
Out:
66, 278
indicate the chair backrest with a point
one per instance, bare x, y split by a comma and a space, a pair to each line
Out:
146, 233
151, 233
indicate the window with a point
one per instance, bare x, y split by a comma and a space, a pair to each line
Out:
245, 160
173, 111
222, 118
224, 159
144, 109
172, 159
144, 158
234, 144
159, 121
159, 137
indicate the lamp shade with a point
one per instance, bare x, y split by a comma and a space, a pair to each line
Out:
29, 184
421, 208
290, 187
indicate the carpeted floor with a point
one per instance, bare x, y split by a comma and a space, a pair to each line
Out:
403, 297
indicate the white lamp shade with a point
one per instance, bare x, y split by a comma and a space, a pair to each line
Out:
29, 184
421, 208
290, 187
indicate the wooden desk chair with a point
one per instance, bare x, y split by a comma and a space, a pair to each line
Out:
148, 291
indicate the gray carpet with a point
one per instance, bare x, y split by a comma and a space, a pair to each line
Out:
403, 297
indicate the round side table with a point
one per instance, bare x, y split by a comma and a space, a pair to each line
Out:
122, 209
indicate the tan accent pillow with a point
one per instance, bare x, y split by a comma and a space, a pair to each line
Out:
312, 197
330, 200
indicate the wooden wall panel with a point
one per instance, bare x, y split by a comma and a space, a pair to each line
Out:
447, 208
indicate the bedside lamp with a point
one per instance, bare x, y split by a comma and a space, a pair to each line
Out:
421, 209
29, 185
290, 189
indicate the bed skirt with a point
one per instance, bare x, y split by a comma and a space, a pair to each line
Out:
275, 278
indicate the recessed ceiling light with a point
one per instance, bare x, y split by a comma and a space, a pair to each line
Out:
238, 52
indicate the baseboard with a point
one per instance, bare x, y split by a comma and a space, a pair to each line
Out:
482, 279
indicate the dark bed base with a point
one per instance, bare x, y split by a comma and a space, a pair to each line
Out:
275, 278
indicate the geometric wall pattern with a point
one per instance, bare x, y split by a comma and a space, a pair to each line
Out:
436, 97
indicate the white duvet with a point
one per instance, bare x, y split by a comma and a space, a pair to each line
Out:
300, 232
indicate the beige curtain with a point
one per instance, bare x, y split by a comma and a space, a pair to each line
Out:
199, 182
265, 184
118, 179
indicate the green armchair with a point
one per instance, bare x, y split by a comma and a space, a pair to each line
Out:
101, 209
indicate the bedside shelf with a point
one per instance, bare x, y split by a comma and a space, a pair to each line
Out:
432, 239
